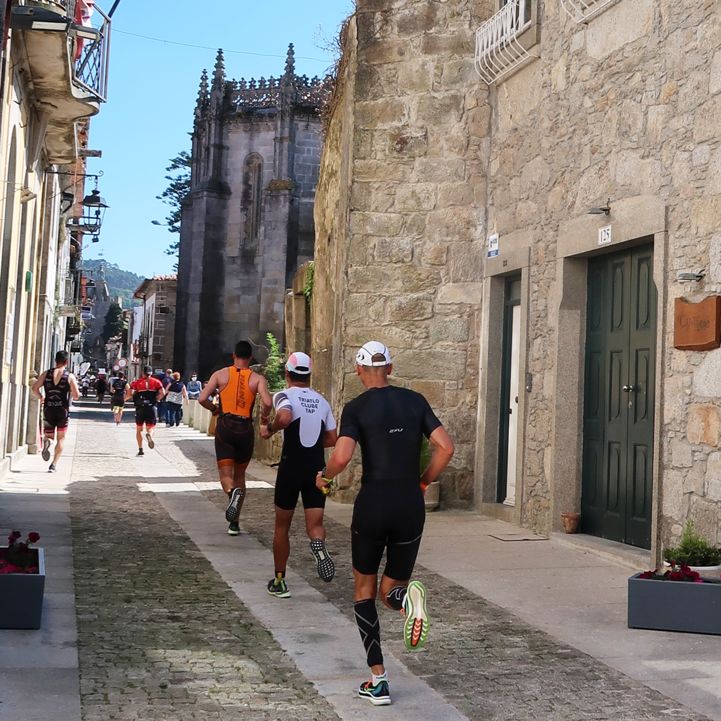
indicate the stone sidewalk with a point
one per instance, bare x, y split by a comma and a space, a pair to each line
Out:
173, 621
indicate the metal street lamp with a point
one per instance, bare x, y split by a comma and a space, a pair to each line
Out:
93, 214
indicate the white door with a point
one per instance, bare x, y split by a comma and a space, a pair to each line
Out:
512, 409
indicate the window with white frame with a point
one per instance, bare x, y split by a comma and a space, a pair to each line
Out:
504, 42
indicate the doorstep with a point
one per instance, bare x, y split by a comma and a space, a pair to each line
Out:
637, 559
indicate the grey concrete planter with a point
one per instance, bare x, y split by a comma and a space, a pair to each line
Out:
674, 605
21, 597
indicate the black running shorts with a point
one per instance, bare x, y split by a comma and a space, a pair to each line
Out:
55, 418
294, 481
234, 439
145, 415
390, 519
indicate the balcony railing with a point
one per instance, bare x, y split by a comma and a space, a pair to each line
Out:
498, 48
91, 53
582, 11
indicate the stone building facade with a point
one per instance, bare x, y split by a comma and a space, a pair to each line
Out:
247, 223
508, 193
156, 320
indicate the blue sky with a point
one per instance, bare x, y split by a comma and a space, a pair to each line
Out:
152, 93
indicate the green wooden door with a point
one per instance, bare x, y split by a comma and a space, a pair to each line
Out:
619, 397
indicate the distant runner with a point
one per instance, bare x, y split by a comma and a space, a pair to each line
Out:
389, 511
101, 386
118, 391
59, 386
308, 428
146, 394
237, 386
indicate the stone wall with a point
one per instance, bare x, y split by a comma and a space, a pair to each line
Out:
399, 238
423, 160
619, 114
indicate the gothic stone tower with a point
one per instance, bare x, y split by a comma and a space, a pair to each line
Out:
247, 223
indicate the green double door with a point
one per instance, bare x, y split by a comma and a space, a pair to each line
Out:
618, 419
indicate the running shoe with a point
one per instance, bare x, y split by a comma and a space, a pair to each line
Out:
51, 468
232, 512
277, 587
326, 567
378, 694
415, 628
46, 450
149, 439
234, 529
141, 452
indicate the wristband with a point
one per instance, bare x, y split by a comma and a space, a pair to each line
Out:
424, 486
330, 488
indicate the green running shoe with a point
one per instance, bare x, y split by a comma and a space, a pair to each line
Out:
277, 587
378, 694
415, 628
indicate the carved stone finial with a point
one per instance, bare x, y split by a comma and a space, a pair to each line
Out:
219, 73
203, 91
290, 62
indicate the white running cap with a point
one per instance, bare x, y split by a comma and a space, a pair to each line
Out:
299, 363
364, 357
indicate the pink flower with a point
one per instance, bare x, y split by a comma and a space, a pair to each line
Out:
33, 537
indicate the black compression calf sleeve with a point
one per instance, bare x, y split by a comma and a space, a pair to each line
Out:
395, 597
366, 616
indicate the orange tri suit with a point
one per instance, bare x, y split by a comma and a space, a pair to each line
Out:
234, 436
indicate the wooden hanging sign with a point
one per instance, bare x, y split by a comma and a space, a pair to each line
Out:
697, 326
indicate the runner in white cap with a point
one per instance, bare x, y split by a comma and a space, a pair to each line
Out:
389, 423
308, 428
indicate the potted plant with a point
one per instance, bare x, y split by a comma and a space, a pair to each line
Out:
677, 599
695, 552
22, 582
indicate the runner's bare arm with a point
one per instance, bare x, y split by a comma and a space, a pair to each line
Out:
210, 387
443, 450
74, 390
339, 459
39, 384
265, 398
330, 438
283, 418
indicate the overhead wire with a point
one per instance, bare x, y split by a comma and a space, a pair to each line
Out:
207, 47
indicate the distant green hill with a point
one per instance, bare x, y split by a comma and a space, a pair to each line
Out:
120, 282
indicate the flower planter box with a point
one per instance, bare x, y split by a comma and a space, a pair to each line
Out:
674, 605
21, 597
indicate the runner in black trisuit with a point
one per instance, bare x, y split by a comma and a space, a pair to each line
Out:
59, 386
389, 512
308, 428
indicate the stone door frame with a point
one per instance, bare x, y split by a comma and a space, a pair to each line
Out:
636, 220
633, 220
514, 260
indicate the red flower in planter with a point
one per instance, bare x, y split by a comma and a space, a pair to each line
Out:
18, 557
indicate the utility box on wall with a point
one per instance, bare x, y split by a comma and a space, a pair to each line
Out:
697, 326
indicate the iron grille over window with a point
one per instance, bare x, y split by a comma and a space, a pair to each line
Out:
584, 10
498, 47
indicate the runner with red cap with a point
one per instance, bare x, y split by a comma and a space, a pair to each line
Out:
308, 428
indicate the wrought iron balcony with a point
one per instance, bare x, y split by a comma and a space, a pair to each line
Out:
67, 45
583, 11
503, 42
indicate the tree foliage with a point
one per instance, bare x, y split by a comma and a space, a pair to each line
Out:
113, 322
178, 177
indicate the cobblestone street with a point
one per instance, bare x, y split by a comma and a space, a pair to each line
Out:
162, 633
